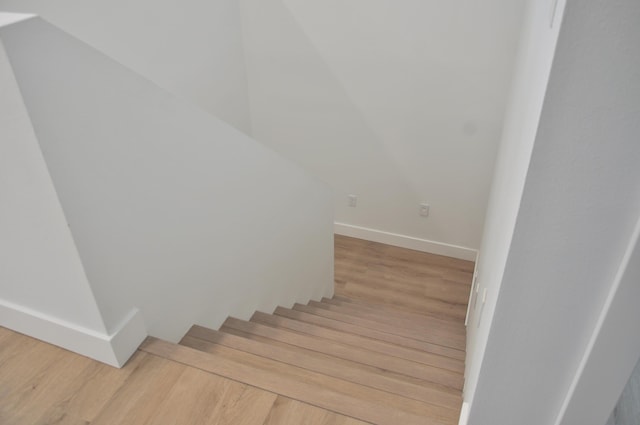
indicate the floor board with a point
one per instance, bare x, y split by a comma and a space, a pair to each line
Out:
43, 384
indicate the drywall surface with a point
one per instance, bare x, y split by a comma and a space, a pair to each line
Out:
395, 102
580, 203
191, 48
173, 211
531, 75
612, 352
41, 269
627, 411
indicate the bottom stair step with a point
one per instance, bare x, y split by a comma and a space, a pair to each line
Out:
370, 333
347, 398
204, 339
347, 352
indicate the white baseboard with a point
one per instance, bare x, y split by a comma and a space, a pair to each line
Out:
404, 241
114, 349
464, 414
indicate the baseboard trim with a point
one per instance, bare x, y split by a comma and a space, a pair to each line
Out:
114, 349
464, 414
404, 241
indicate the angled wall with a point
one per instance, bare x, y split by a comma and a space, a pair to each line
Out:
573, 216
396, 102
533, 66
173, 212
191, 48
44, 290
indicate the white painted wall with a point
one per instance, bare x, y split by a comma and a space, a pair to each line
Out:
577, 210
396, 102
191, 48
173, 211
627, 410
612, 353
531, 76
40, 262
44, 291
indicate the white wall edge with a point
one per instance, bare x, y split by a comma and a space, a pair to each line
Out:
464, 413
114, 349
616, 327
474, 280
12, 18
404, 241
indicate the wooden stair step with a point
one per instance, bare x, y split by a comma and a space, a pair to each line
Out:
371, 333
402, 273
387, 317
408, 283
364, 342
395, 310
361, 402
433, 336
421, 304
348, 352
381, 309
204, 339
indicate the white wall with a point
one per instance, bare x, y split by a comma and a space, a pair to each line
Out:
44, 291
612, 353
173, 211
531, 76
579, 205
396, 102
191, 48
627, 410
40, 262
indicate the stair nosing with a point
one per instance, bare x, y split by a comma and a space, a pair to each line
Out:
371, 333
458, 345
380, 382
380, 346
428, 373
316, 395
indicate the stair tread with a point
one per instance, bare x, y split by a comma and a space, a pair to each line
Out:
347, 352
388, 318
433, 336
202, 338
361, 402
408, 282
425, 305
374, 309
365, 342
371, 333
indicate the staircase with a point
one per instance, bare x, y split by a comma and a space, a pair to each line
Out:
364, 360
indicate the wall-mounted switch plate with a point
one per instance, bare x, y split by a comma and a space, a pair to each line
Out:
424, 210
353, 200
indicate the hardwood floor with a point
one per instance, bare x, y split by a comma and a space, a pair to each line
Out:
42, 384
387, 349
413, 281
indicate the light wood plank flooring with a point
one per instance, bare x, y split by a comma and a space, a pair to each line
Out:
387, 349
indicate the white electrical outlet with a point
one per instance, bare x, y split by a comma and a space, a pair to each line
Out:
424, 210
353, 200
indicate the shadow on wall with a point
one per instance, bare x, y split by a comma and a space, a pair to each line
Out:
302, 109
396, 103
627, 411
172, 211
